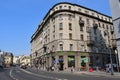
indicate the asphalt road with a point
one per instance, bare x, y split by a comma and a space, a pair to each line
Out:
4, 74
17, 73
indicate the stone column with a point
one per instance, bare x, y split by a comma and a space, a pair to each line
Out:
65, 61
77, 62
50, 60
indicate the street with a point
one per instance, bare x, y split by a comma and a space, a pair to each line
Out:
16, 73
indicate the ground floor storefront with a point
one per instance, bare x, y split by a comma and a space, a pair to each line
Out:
77, 60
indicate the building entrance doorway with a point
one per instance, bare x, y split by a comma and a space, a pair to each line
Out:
61, 64
83, 62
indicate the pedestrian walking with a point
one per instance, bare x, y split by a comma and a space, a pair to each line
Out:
72, 69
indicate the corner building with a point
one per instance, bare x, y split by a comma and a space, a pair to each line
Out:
73, 35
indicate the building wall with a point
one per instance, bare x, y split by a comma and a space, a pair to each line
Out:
1, 59
8, 61
46, 39
25, 60
115, 9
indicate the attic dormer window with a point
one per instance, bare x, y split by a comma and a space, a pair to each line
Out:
60, 7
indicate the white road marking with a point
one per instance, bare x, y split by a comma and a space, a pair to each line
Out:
42, 75
12, 75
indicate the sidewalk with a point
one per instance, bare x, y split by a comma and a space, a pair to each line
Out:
95, 73
100, 73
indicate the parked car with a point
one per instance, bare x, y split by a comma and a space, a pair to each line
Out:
23, 66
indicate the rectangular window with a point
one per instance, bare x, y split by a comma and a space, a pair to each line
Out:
81, 28
61, 36
60, 17
99, 25
53, 47
61, 47
71, 47
70, 26
70, 36
53, 28
87, 21
103, 26
60, 26
82, 37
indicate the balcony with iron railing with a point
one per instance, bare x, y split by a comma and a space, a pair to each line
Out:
81, 22
112, 31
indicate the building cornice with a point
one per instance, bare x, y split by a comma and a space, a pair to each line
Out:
48, 16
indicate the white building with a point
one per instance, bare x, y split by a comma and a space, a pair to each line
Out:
73, 35
115, 9
16, 60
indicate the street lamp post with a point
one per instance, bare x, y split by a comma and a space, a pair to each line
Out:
116, 54
111, 61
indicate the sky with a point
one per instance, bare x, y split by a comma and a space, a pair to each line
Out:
20, 18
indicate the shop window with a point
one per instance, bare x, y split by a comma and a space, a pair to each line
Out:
71, 61
83, 62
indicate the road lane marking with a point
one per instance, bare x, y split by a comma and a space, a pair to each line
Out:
43, 76
12, 75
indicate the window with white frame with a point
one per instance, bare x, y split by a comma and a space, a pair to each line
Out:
60, 26
71, 47
61, 47
70, 26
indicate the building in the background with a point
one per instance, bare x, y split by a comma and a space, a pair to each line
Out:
8, 59
115, 9
25, 60
71, 35
16, 60
1, 59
